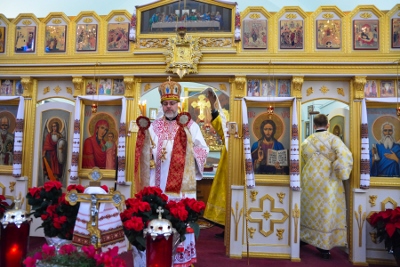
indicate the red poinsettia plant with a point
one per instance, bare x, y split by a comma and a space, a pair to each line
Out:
141, 209
48, 202
69, 255
387, 225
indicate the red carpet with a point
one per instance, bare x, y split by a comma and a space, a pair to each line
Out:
211, 252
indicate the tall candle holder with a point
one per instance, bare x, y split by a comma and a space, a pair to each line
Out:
14, 232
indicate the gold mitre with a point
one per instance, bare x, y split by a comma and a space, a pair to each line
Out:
170, 90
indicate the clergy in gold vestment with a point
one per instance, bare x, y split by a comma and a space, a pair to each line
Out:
327, 162
215, 208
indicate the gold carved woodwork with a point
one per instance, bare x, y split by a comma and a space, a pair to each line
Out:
374, 236
236, 216
222, 87
26, 22
253, 195
183, 54
240, 84
388, 200
209, 42
291, 16
360, 217
56, 21
12, 186
215, 42
147, 87
281, 196
88, 20
78, 85
296, 216
267, 215
309, 91
153, 43
372, 200
46, 90
327, 16
254, 16
251, 231
129, 82
366, 15
358, 85
340, 91
27, 83
57, 89
69, 90
119, 19
279, 233
324, 89
297, 83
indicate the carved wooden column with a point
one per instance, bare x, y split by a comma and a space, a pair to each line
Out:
131, 94
297, 84
359, 199
29, 95
78, 84
358, 83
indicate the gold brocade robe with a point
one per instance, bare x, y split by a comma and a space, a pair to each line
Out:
215, 208
323, 209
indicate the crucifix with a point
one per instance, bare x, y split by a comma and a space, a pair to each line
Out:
201, 104
94, 200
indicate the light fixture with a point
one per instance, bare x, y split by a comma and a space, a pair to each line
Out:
94, 108
271, 106
95, 105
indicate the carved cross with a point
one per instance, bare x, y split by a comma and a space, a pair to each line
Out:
116, 198
201, 104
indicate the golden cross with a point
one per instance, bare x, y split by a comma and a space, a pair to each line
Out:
201, 104
169, 78
115, 197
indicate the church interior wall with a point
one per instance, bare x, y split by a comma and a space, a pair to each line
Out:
59, 77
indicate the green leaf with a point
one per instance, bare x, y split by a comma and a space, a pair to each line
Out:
196, 228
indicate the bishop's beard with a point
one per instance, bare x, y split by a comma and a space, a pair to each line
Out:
3, 131
171, 114
388, 141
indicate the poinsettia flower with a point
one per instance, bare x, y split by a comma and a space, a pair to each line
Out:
90, 251
178, 210
51, 209
67, 249
29, 262
134, 223
49, 251
196, 206
59, 221
38, 256
151, 190
136, 205
77, 187
126, 214
105, 188
35, 192
48, 186
118, 262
